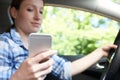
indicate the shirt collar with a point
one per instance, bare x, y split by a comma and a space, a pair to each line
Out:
16, 36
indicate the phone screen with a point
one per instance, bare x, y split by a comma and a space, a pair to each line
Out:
38, 43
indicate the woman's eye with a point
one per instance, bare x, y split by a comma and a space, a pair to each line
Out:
41, 12
30, 10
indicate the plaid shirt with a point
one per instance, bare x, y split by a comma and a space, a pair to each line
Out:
13, 53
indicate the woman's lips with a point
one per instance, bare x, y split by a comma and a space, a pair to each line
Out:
35, 24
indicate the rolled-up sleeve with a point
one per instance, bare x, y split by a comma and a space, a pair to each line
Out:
62, 68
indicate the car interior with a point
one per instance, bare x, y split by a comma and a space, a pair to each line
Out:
112, 11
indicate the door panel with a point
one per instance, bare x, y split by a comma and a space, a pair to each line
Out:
93, 73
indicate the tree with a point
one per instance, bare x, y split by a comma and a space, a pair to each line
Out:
77, 32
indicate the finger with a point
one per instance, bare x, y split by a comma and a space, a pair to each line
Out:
44, 55
107, 48
114, 46
39, 78
42, 66
43, 73
43, 77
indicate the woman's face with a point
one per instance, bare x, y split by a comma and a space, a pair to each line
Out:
28, 18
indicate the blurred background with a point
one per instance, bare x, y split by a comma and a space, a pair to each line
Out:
77, 32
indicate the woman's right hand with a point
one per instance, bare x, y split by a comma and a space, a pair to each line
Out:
35, 68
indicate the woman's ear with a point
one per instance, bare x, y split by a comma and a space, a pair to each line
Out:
13, 12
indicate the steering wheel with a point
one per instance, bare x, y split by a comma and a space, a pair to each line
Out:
114, 66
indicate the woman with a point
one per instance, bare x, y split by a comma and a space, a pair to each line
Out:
14, 61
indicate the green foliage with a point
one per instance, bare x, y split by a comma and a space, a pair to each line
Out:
77, 32
118, 1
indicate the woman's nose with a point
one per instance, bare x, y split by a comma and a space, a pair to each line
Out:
37, 16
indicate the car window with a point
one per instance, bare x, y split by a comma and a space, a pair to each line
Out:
116, 1
77, 32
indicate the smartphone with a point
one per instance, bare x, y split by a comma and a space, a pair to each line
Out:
38, 42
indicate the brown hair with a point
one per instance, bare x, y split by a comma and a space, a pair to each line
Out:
16, 3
